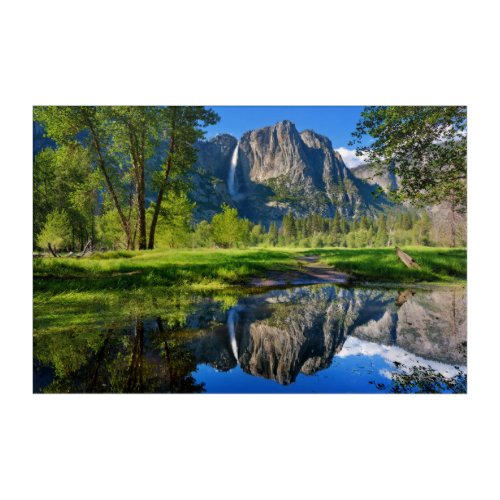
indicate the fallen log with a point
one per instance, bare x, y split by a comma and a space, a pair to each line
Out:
406, 259
88, 247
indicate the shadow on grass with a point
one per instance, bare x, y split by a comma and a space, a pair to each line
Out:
184, 268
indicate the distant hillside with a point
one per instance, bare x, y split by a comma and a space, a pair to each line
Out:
387, 180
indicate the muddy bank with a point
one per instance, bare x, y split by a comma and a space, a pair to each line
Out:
310, 272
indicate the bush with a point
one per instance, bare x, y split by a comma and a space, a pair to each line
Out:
202, 236
227, 229
317, 241
56, 231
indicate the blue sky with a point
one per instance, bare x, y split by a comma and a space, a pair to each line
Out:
336, 122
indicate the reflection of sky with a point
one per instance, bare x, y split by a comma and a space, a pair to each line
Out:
357, 347
357, 368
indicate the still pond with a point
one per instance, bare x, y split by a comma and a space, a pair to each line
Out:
309, 339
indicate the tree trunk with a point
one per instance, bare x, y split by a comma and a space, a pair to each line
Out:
102, 166
52, 251
161, 329
137, 153
141, 195
134, 380
453, 224
159, 199
87, 247
142, 209
99, 360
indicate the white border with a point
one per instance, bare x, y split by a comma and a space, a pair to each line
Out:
260, 52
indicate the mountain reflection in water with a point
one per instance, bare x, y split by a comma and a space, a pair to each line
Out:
308, 339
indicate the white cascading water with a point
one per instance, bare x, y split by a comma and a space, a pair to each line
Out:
232, 171
231, 321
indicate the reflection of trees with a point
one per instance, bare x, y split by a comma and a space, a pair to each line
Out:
142, 359
425, 380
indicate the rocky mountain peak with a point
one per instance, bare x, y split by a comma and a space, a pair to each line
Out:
279, 170
315, 140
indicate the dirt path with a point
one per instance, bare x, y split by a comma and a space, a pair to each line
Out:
311, 272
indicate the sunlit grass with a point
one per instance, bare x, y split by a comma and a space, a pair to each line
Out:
447, 265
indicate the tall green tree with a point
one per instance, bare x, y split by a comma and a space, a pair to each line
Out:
288, 227
273, 233
175, 220
56, 232
128, 146
87, 125
184, 126
381, 236
425, 146
63, 180
136, 135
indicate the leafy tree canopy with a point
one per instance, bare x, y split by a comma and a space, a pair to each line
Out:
425, 146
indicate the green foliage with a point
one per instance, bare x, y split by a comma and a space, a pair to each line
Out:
395, 227
202, 236
227, 229
109, 231
56, 231
174, 223
119, 151
272, 235
63, 180
425, 146
289, 228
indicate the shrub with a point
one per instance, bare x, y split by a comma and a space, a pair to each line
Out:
56, 231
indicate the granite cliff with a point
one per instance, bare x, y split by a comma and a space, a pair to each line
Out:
278, 169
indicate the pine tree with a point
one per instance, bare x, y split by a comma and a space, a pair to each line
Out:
381, 236
336, 230
273, 233
288, 228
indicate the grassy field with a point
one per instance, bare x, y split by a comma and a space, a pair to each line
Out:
197, 269
216, 269
437, 265
115, 286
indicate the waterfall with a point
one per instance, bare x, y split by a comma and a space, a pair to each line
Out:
231, 320
232, 171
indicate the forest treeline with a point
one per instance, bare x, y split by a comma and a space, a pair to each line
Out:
396, 227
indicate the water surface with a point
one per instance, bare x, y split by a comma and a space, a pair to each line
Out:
310, 339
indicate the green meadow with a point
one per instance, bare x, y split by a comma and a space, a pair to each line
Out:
381, 265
